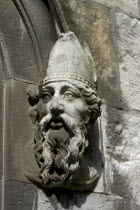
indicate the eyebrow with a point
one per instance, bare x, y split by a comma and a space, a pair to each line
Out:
67, 87
47, 88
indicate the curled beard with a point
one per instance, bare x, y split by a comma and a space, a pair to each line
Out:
58, 152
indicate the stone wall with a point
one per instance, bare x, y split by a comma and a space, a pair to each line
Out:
111, 28
24, 27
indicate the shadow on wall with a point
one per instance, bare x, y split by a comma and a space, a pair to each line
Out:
66, 198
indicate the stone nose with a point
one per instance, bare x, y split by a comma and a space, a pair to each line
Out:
56, 107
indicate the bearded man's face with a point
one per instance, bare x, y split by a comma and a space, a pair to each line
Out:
61, 137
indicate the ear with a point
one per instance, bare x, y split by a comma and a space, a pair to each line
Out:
33, 94
95, 110
32, 111
33, 98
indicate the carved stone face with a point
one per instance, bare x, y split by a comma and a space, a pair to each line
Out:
65, 111
62, 97
63, 114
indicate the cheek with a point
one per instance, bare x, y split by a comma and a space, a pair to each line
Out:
77, 109
42, 109
80, 106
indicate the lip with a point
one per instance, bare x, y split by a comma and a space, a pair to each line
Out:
56, 123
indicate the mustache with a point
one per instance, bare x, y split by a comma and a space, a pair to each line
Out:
67, 120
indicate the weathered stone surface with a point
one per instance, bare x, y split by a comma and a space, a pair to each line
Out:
27, 34
128, 39
18, 128
119, 129
23, 38
1, 199
74, 201
91, 23
128, 6
1, 128
19, 196
2, 72
122, 157
1, 139
43, 28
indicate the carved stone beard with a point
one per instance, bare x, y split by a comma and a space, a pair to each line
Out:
59, 145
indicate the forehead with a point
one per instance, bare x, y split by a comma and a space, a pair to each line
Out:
58, 85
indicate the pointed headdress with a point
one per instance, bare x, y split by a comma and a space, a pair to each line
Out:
69, 61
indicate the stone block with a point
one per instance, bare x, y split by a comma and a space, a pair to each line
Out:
1, 139
1, 198
128, 39
91, 23
2, 67
121, 148
128, 6
75, 200
19, 196
43, 25
1, 128
30, 197
18, 128
26, 38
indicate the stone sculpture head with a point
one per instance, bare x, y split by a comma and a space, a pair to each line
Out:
64, 109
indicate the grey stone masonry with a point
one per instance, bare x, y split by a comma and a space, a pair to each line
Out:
126, 6
120, 130
74, 201
128, 41
111, 30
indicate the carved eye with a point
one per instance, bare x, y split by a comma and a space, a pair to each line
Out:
46, 97
69, 96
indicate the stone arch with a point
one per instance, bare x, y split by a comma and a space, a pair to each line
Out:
27, 34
